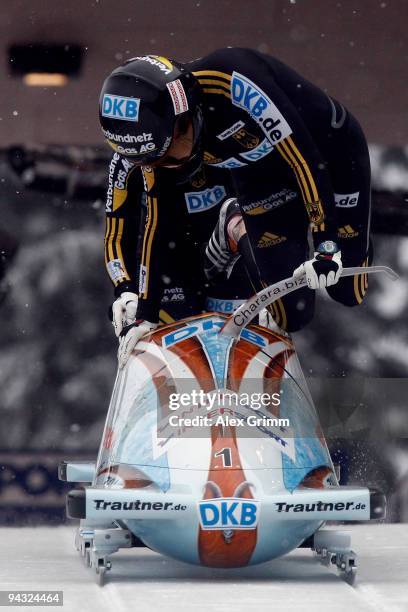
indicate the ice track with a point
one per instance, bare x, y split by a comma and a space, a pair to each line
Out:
141, 580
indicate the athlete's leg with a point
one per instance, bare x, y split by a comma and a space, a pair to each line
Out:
230, 288
349, 167
275, 244
295, 310
279, 255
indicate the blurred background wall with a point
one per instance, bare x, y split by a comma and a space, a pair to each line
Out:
57, 350
356, 49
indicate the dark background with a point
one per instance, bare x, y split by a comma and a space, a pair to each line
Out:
57, 349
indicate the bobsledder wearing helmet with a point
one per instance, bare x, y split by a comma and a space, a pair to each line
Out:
144, 103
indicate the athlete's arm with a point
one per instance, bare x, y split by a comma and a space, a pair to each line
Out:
154, 241
124, 215
123, 218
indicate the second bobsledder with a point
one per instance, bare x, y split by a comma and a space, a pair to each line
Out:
208, 482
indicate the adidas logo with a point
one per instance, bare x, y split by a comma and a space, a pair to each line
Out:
347, 232
268, 240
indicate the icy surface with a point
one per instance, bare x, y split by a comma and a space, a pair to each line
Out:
141, 580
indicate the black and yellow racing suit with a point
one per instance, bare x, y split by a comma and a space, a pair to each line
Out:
296, 158
180, 286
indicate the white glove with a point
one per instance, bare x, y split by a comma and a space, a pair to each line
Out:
124, 311
130, 336
324, 269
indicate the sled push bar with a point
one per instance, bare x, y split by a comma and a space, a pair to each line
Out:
252, 307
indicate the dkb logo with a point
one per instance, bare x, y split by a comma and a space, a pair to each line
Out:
228, 513
118, 107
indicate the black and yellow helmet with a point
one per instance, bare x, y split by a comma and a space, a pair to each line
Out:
142, 101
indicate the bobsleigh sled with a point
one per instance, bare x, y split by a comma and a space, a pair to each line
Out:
190, 466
